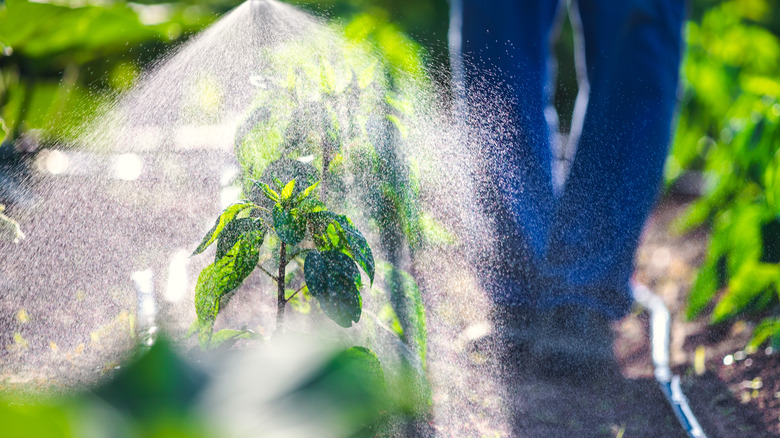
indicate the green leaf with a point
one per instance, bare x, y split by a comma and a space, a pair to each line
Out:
408, 307
192, 329
284, 169
769, 328
222, 277
744, 236
367, 364
3, 130
327, 77
358, 246
436, 233
269, 193
289, 225
311, 205
746, 286
330, 227
206, 302
224, 218
703, 289
352, 386
695, 216
366, 77
287, 190
233, 231
333, 278
306, 193
226, 338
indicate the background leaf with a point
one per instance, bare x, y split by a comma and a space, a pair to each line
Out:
226, 338
746, 286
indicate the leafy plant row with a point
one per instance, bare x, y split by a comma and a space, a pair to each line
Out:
729, 130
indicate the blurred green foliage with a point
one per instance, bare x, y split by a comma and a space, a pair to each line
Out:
59, 60
160, 394
729, 130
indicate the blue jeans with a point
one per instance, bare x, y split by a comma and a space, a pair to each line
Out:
575, 247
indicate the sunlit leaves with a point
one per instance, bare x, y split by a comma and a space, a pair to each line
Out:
287, 191
234, 231
407, 306
334, 280
227, 215
268, 191
704, 287
227, 337
223, 276
752, 284
306, 193
768, 329
289, 225
331, 275
339, 233
729, 131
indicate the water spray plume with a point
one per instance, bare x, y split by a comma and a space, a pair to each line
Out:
103, 265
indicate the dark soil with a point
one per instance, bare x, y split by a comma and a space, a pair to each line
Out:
484, 395
732, 392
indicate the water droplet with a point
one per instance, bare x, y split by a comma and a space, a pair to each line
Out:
127, 167
53, 161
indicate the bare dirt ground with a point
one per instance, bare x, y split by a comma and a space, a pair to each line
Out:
732, 392
489, 395
68, 302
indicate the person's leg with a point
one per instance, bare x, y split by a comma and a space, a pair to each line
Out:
505, 49
632, 52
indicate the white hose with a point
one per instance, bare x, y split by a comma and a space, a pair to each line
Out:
660, 333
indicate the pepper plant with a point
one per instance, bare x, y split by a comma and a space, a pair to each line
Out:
288, 217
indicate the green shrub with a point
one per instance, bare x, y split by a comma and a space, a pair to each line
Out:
729, 129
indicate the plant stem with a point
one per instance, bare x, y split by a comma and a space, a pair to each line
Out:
280, 301
273, 277
295, 293
299, 252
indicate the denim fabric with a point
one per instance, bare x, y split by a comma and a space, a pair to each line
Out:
578, 246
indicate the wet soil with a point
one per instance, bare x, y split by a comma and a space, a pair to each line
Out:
68, 302
492, 395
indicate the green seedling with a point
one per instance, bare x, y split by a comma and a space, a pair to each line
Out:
297, 227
